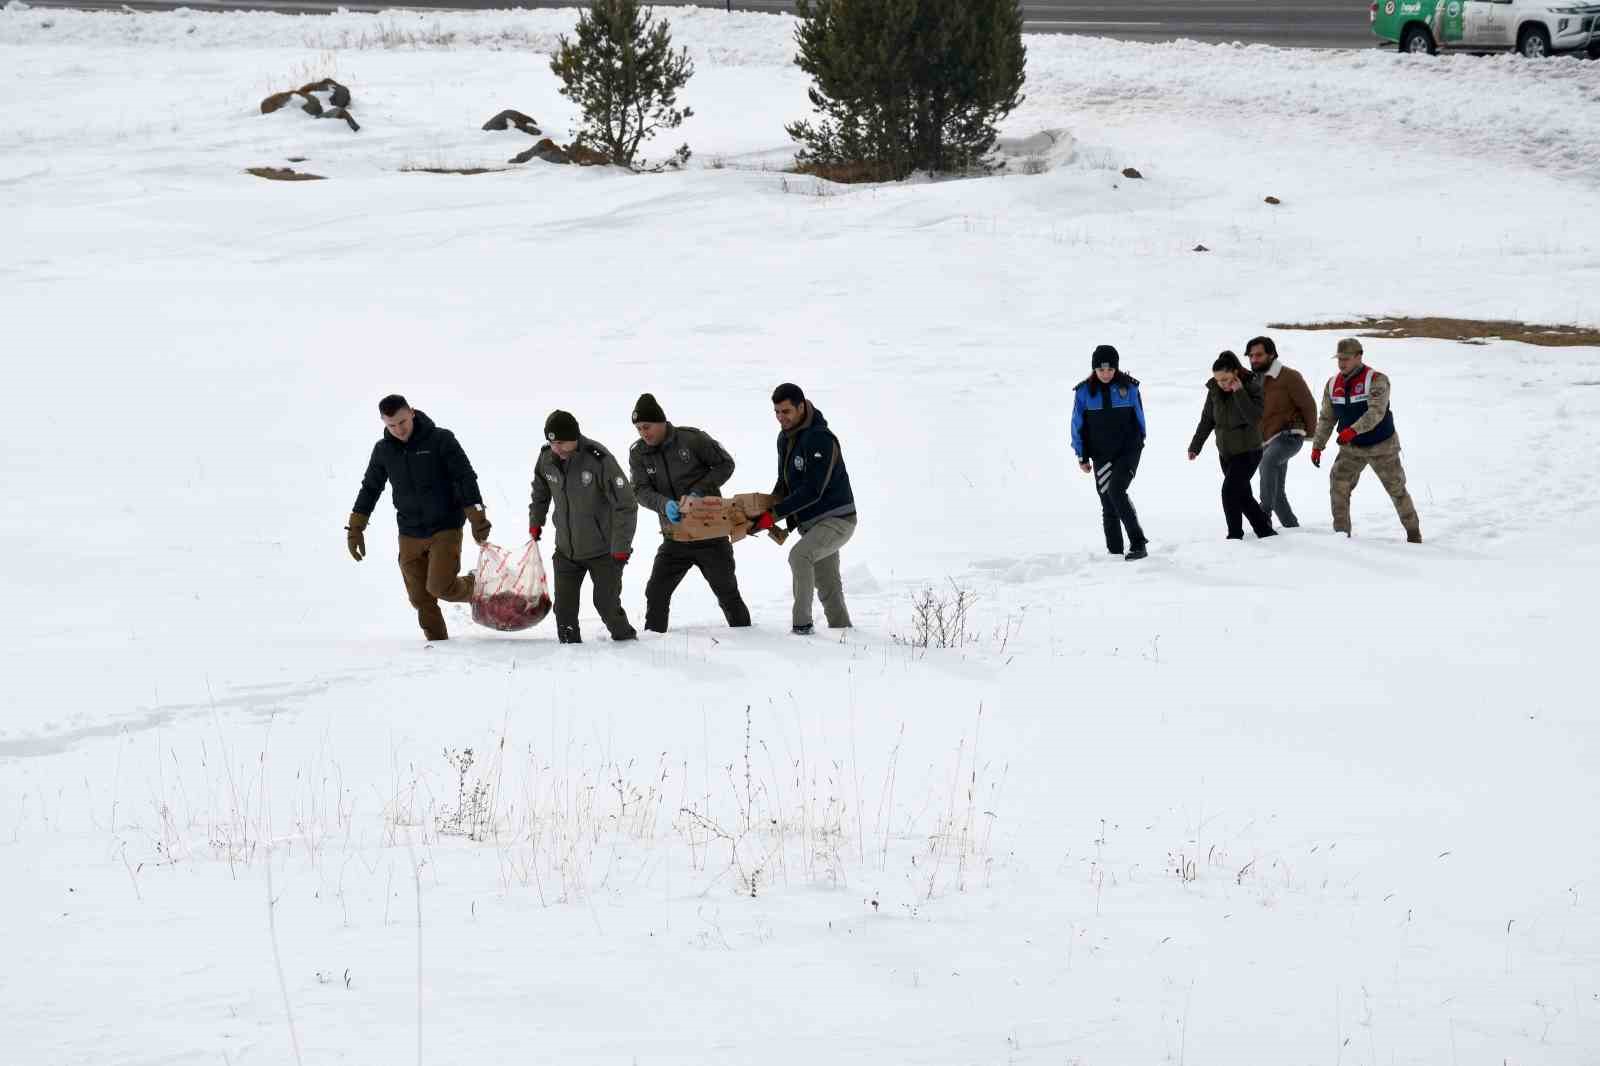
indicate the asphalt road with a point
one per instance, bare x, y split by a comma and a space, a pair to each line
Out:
1289, 23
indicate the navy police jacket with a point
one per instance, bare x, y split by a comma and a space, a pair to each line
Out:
1107, 420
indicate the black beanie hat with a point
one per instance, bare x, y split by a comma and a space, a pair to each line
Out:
560, 426
645, 409
1105, 355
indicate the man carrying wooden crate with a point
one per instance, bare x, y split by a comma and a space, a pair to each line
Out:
672, 467
814, 497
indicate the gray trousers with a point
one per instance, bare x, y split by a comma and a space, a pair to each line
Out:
815, 565
1274, 470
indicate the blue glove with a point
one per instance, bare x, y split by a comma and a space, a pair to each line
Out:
673, 512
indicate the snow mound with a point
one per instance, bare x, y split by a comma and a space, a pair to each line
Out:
1035, 154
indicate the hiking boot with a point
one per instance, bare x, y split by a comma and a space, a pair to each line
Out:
1413, 536
1268, 533
804, 631
1136, 554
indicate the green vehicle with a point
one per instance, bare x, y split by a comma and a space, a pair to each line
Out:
1535, 28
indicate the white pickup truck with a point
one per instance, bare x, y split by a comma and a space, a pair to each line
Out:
1532, 27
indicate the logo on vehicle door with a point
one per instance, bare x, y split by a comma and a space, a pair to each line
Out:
1388, 9
1454, 9
1410, 7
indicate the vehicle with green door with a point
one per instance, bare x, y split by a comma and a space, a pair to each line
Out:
1534, 28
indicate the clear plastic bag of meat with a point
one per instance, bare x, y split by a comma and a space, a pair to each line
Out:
511, 592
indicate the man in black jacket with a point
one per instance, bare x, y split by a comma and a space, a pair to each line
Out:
435, 491
669, 465
815, 497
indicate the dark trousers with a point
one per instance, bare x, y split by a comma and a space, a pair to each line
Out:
605, 574
1112, 478
1238, 500
674, 559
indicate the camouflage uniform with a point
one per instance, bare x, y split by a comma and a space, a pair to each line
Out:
1383, 456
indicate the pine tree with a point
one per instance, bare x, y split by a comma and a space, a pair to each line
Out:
622, 72
905, 85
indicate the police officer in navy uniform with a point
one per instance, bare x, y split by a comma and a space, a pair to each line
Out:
1108, 431
1356, 399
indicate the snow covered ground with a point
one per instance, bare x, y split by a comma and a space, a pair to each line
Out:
1304, 800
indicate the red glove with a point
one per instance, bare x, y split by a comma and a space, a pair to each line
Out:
1347, 435
764, 522
622, 557
534, 531
1316, 458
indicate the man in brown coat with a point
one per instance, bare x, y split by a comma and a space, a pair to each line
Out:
1289, 413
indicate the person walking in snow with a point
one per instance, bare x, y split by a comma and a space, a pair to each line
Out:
435, 493
1108, 431
815, 497
1288, 413
1233, 411
596, 516
669, 465
1356, 399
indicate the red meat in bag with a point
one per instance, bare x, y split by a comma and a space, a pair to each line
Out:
510, 594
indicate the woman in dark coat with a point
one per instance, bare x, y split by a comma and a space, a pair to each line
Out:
1233, 411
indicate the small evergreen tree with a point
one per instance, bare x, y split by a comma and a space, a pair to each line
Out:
904, 85
622, 72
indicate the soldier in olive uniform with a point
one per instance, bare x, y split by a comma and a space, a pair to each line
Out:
596, 515
670, 464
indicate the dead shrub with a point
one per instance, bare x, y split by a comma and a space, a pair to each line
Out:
1465, 330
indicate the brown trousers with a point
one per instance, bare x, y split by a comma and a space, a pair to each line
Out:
429, 566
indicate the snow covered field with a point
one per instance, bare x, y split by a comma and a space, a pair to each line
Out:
1306, 800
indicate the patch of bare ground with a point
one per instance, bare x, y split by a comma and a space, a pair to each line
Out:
1465, 330
452, 170
283, 174
846, 173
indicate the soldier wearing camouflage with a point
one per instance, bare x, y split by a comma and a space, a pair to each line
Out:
1356, 401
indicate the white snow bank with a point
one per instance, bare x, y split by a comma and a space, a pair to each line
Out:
1544, 112
1297, 800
